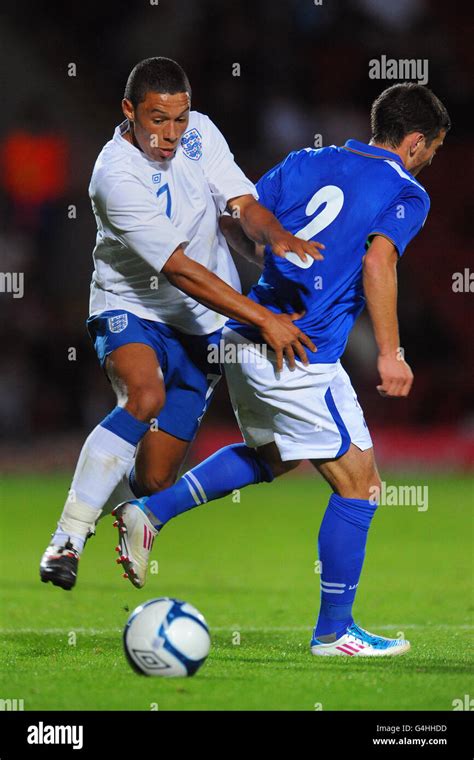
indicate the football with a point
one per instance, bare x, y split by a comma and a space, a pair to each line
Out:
166, 637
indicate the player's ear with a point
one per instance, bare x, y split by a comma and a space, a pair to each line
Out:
128, 109
417, 141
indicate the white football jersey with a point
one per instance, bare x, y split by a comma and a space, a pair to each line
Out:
145, 209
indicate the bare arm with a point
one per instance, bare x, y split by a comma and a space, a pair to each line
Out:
277, 330
238, 240
199, 283
380, 289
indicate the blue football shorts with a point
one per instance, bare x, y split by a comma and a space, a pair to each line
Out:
190, 379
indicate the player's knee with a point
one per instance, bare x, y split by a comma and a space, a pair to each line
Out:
360, 485
145, 402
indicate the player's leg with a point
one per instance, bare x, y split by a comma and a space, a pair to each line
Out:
353, 475
342, 536
108, 452
342, 539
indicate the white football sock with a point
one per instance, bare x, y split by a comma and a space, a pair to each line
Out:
122, 492
102, 463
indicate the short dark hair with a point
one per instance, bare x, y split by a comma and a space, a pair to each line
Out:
155, 75
405, 108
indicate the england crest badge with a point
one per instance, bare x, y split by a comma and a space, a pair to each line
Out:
118, 323
191, 143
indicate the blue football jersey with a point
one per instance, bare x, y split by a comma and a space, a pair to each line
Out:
340, 196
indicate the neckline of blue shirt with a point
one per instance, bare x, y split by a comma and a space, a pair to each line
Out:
371, 151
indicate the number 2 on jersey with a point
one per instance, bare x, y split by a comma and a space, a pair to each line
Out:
333, 197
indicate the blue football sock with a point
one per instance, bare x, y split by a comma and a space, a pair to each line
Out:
341, 544
123, 424
232, 467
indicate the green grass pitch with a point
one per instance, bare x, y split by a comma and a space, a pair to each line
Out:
249, 567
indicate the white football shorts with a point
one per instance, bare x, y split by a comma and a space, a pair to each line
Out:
310, 412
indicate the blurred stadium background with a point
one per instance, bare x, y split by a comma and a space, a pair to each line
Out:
303, 71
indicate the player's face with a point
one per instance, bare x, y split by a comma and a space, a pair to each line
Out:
159, 122
422, 155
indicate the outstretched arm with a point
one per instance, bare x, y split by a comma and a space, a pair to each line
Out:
277, 330
380, 288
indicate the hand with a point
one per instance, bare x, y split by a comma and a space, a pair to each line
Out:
395, 374
286, 339
283, 242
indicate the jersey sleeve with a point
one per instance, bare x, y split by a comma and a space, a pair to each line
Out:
404, 218
135, 218
226, 180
